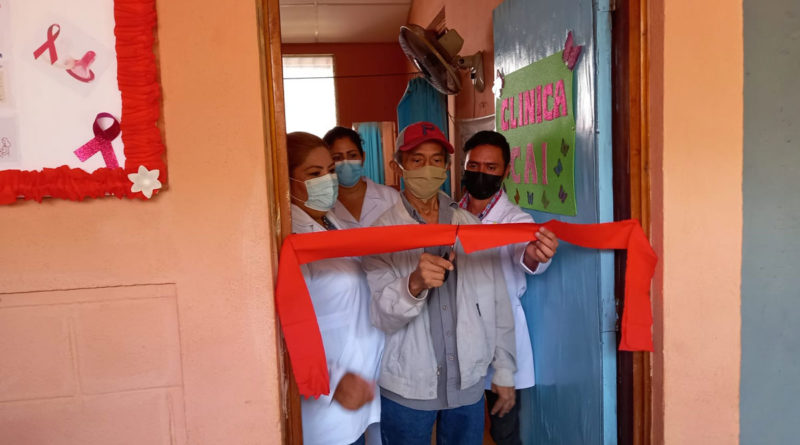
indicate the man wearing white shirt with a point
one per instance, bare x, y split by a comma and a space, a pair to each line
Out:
487, 164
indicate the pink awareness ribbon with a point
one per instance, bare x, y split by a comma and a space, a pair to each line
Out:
50, 44
101, 142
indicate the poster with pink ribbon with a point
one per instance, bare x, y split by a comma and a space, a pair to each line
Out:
64, 89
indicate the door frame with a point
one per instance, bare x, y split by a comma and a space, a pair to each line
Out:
631, 182
276, 162
631, 133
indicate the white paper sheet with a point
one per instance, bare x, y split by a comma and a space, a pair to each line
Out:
5, 56
9, 142
53, 111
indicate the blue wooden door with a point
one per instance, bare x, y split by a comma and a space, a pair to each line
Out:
570, 308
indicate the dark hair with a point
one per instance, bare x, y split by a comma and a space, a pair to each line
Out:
298, 145
398, 155
337, 133
489, 138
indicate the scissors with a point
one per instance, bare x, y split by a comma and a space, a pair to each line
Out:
452, 249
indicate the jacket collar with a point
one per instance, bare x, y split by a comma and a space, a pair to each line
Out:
371, 197
302, 222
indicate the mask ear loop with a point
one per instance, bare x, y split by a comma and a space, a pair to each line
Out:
304, 184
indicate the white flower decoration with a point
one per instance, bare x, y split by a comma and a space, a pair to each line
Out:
145, 181
497, 86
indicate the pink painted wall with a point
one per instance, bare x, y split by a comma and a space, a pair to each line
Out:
697, 80
363, 99
135, 322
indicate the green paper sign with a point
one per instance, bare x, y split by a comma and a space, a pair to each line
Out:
536, 115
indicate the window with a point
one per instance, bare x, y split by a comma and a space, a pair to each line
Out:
309, 94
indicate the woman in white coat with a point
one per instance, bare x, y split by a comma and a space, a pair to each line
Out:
340, 295
361, 201
486, 165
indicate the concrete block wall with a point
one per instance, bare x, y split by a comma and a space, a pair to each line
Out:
100, 365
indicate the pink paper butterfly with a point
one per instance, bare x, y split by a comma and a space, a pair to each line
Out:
571, 52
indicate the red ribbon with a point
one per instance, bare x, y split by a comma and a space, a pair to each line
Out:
296, 312
101, 142
50, 43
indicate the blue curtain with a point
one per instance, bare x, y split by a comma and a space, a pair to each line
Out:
421, 102
373, 150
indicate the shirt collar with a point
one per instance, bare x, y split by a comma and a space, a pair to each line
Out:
446, 207
465, 202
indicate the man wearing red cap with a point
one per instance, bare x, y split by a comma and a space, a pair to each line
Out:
446, 315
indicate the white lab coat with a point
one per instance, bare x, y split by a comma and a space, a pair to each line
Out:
340, 295
514, 270
377, 199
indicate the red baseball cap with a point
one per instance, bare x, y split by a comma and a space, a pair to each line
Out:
420, 132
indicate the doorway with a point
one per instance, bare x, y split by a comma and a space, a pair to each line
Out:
628, 373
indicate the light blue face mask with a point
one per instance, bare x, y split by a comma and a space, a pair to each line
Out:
349, 172
322, 192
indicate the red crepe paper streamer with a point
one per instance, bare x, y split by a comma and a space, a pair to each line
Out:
296, 312
137, 77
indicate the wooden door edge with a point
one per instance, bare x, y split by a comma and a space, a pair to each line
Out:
642, 364
632, 195
269, 39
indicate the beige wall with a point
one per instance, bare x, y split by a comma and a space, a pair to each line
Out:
697, 78
152, 322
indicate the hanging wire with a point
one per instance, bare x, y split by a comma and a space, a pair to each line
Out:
450, 117
355, 76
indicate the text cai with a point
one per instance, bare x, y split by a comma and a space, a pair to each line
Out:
533, 106
530, 171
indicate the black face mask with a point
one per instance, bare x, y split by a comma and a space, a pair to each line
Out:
481, 185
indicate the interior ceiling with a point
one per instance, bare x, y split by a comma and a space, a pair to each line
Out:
337, 21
